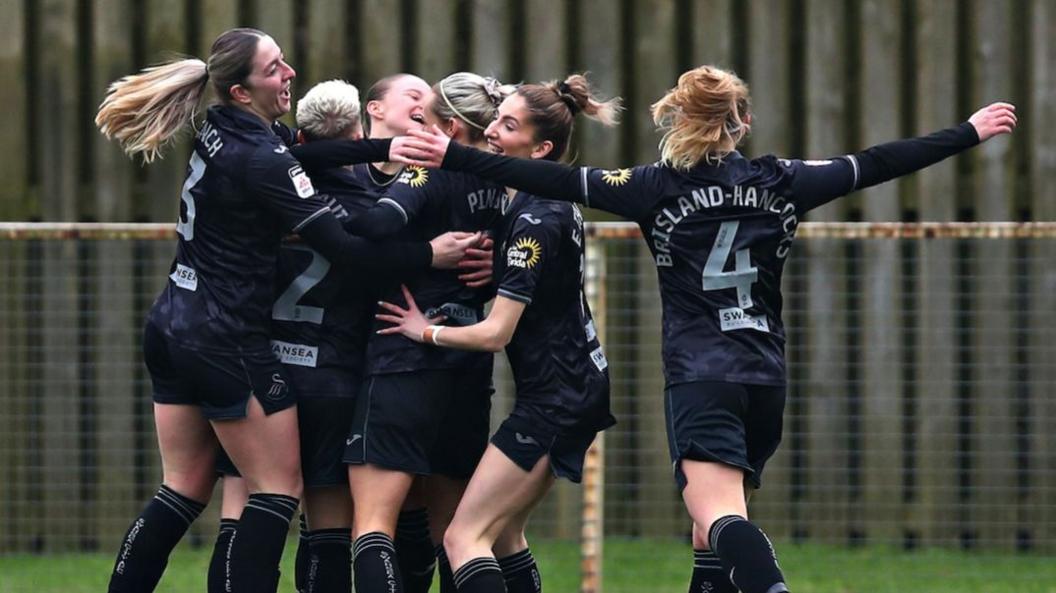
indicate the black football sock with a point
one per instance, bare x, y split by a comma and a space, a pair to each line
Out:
303, 558
256, 547
443, 570
708, 574
374, 564
480, 575
146, 546
217, 574
746, 555
520, 573
331, 564
415, 550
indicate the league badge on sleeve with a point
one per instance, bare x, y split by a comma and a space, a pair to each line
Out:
301, 183
616, 177
524, 253
414, 176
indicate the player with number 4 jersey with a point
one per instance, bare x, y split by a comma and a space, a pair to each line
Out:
720, 227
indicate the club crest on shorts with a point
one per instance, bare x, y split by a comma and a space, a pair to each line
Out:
616, 177
525, 253
414, 176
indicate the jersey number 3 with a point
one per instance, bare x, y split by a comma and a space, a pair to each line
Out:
743, 275
185, 226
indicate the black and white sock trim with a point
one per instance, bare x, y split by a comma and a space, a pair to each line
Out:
281, 506
719, 525
515, 563
706, 559
337, 535
475, 567
374, 539
187, 509
228, 525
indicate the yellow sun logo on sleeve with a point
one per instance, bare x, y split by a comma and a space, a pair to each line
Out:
616, 177
416, 176
525, 253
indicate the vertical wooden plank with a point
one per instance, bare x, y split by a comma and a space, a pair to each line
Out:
436, 39
993, 345
601, 45
214, 17
769, 77
546, 48
490, 54
654, 72
165, 37
1042, 342
115, 496
824, 339
57, 170
712, 33
327, 44
934, 509
14, 193
382, 44
881, 388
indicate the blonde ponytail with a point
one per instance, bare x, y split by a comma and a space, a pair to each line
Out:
145, 111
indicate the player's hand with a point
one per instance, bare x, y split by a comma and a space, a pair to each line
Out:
994, 119
410, 322
423, 148
477, 265
450, 248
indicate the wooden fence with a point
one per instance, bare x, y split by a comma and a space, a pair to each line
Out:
827, 76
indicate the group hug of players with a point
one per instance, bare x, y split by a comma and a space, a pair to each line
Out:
322, 338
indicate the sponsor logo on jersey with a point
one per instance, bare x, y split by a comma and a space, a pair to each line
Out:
301, 183
298, 354
414, 176
353, 439
184, 277
455, 313
734, 318
616, 177
531, 219
525, 253
281, 149
598, 358
590, 330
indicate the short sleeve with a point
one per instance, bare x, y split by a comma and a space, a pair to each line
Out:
630, 193
277, 179
533, 243
413, 191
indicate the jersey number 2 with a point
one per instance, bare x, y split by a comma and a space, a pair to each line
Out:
185, 227
743, 275
286, 307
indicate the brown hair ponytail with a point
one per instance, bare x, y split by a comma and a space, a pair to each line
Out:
553, 106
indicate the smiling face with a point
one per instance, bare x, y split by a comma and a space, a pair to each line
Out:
512, 132
402, 107
266, 91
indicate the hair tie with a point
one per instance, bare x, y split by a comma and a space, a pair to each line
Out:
455, 111
564, 92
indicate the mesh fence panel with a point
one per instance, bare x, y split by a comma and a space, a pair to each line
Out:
922, 365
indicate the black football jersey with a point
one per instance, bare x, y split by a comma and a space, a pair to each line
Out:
559, 368
322, 315
243, 191
431, 203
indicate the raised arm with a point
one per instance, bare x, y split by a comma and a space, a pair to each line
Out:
327, 154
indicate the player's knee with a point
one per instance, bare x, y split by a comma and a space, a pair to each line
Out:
196, 484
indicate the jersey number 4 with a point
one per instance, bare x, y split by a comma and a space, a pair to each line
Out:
185, 226
743, 275
286, 307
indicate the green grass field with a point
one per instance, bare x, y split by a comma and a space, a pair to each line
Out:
631, 566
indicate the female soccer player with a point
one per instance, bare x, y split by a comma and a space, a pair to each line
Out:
720, 227
206, 342
424, 412
542, 319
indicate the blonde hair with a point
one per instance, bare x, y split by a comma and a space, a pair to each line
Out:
145, 111
329, 110
553, 105
703, 118
470, 97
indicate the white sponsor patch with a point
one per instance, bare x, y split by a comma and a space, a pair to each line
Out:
298, 354
301, 183
591, 332
599, 360
185, 277
735, 318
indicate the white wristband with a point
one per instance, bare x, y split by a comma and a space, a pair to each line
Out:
436, 333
